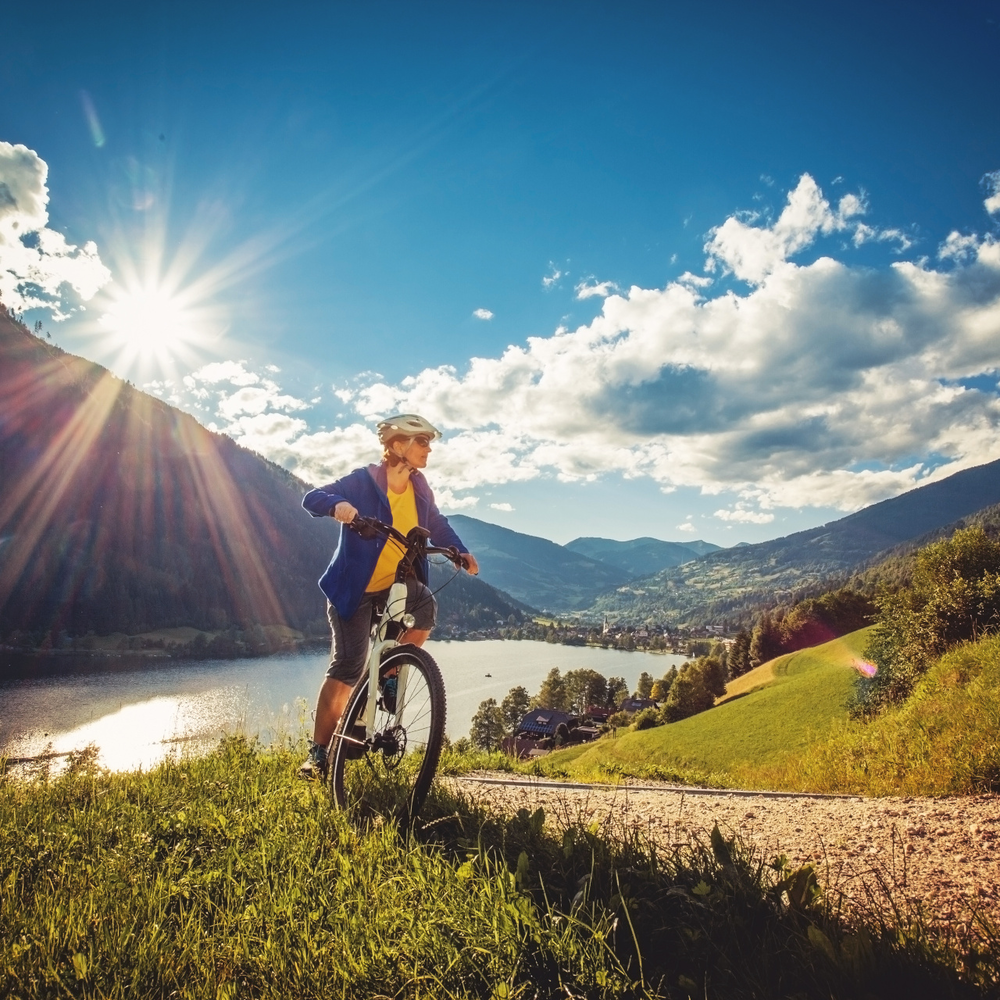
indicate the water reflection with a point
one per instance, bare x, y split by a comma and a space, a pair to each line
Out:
138, 715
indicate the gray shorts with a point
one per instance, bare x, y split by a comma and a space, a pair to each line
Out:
349, 639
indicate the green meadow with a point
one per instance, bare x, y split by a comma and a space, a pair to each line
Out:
779, 709
223, 876
786, 726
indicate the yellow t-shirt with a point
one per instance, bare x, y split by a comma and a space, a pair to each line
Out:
404, 517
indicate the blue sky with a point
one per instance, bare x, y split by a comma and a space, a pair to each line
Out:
691, 271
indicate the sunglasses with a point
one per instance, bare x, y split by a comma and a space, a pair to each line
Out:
422, 439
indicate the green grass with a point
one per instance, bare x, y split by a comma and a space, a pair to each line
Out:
942, 741
224, 876
802, 699
787, 728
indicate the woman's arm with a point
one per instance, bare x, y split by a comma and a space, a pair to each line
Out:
323, 501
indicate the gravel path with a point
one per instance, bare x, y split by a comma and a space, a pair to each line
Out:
937, 855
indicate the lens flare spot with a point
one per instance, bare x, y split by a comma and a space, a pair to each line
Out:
865, 668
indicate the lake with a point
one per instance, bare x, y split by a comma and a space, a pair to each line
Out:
137, 712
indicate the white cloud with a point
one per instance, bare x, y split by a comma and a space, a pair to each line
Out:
234, 372
741, 515
869, 234
992, 182
816, 387
600, 289
552, 277
958, 247
695, 280
506, 507
257, 399
821, 385
38, 268
687, 526
447, 500
482, 314
753, 252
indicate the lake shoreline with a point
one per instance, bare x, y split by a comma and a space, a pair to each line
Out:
133, 706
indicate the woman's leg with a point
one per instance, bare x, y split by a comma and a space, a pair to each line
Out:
330, 707
416, 636
348, 652
421, 604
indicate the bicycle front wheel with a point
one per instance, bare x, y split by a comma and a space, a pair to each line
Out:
388, 770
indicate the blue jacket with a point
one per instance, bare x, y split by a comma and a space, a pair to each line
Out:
355, 557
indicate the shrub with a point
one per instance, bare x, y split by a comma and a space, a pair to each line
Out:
648, 718
954, 597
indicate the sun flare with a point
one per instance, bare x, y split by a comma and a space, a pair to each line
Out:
149, 321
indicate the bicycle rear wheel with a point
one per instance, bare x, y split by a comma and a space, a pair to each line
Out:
389, 771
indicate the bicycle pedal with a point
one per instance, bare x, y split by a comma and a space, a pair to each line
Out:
354, 745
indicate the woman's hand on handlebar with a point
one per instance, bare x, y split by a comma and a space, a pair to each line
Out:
469, 562
345, 512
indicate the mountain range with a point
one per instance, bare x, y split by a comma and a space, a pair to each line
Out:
728, 584
641, 556
697, 583
571, 577
119, 512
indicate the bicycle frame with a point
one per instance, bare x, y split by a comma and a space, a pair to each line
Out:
393, 621
394, 613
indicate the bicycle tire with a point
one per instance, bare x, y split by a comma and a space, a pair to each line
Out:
390, 772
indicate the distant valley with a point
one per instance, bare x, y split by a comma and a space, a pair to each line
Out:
696, 583
565, 578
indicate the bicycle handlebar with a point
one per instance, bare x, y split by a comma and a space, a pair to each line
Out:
368, 527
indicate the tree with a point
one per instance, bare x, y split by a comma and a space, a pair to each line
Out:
713, 670
514, 708
487, 730
584, 687
662, 687
648, 718
552, 693
819, 619
954, 596
765, 642
689, 694
739, 654
617, 692
644, 685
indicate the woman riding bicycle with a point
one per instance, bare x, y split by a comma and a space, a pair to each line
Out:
361, 571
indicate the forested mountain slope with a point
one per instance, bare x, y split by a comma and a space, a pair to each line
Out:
119, 513
730, 584
894, 567
640, 556
535, 570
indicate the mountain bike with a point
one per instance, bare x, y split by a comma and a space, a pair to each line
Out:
385, 750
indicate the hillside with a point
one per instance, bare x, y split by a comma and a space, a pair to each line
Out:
782, 707
119, 513
640, 556
534, 570
730, 584
894, 568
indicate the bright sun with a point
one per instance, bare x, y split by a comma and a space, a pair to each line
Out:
149, 320
150, 324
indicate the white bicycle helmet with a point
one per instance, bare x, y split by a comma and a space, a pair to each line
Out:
405, 425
